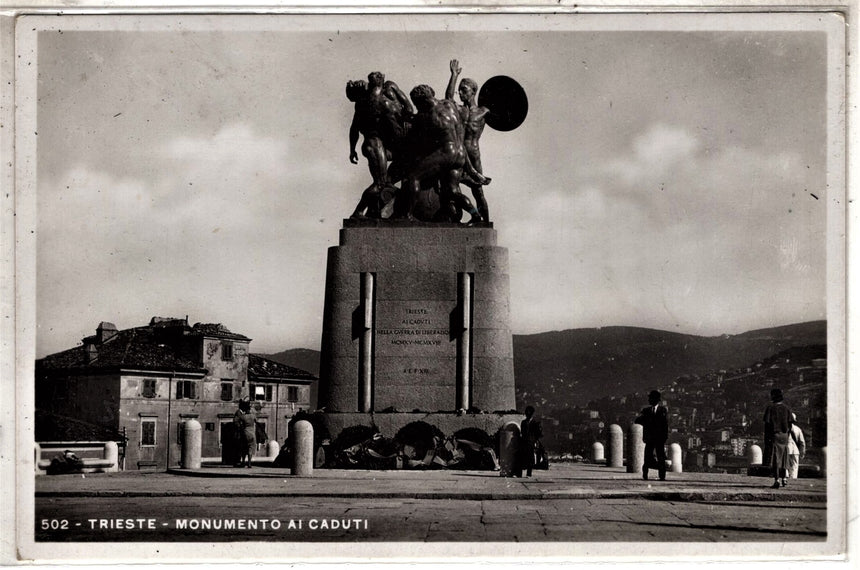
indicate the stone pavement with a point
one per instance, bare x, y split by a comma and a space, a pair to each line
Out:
562, 481
570, 503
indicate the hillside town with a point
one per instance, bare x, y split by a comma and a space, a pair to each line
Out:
714, 417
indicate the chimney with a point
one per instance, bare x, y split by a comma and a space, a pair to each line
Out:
105, 332
92, 352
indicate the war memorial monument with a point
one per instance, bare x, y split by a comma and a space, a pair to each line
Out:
416, 325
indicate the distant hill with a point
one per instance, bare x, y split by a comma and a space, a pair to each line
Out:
579, 365
302, 358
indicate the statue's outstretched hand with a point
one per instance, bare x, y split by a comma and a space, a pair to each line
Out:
455, 67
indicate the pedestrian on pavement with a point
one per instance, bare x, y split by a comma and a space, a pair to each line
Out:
777, 427
654, 420
530, 434
260, 432
796, 448
246, 423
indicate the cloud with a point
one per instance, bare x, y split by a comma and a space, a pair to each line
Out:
214, 233
655, 153
671, 235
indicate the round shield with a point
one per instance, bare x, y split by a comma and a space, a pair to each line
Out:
507, 102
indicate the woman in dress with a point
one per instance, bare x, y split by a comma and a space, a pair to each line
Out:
246, 423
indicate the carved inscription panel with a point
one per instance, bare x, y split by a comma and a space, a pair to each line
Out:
415, 354
413, 328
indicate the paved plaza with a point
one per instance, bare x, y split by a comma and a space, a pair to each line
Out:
568, 503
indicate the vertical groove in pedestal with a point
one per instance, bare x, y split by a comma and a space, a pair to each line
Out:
464, 342
366, 351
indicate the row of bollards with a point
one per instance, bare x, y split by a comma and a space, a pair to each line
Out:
302, 438
635, 448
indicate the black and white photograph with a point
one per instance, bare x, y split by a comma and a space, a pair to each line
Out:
458, 284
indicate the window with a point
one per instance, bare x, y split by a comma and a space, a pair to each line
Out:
226, 391
292, 393
186, 389
147, 432
226, 351
260, 392
148, 390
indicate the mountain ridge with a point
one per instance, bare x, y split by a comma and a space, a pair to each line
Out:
578, 365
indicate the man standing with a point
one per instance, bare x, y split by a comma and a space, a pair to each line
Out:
530, 434
474, 119
777, 427
655, 431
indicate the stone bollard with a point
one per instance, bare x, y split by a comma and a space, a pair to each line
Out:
635, 449
112, 455
676, 457
273, 448
597, 452
754, 456
192, 444
615, 457
824, 461
303, 449
509, 444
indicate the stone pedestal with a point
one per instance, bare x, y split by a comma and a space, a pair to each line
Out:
416, 319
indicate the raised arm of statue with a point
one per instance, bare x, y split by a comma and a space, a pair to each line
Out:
353, 139
452, 81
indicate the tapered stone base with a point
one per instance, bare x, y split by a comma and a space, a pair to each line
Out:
416, 320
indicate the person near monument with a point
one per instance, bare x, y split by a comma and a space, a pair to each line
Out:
382, 114
654, 420
474, 119
777, 428
530, 434
796, 448
246, 422
436, 153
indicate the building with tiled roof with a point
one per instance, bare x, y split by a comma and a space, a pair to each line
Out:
143, 382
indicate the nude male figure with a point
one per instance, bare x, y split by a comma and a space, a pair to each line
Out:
381, 115
436, 153
474, 119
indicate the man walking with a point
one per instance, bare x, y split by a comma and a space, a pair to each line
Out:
654, 420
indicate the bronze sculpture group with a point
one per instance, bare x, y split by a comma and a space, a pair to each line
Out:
427, 149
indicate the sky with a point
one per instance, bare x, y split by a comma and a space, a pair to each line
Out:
668, 179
